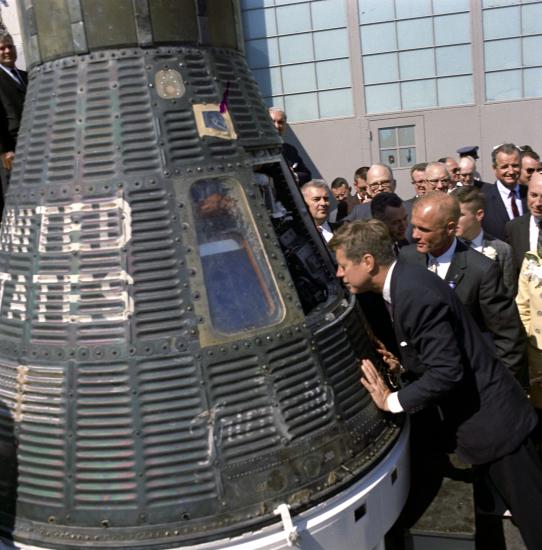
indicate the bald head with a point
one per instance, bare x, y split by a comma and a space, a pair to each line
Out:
453, 170
379, 179
434, 221
534, 196
437, 177
467, 167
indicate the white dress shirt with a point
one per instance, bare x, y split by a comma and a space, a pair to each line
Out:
505, 196
444, 260
325, 229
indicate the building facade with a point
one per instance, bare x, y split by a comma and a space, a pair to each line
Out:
396, 81
399, 81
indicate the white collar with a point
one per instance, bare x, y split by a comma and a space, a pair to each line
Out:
445, 258
505, 191
17, 76
386, 290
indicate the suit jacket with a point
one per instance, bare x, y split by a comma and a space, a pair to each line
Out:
453, 367
296, 164
517, 236
360, 212
11, 108
343, 209
496, 216
478, 284
505, 259
363, 212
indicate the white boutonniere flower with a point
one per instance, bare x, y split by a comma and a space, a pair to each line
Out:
490, 252
533, 271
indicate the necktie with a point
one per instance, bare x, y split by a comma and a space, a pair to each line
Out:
433, 265
396, 249
515, 210
17, 77
539, 242
467, 242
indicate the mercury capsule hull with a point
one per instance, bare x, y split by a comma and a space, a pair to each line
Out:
177, 359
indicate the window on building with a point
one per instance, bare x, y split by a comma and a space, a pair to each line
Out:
298, 53
415, 54
397, 146
512, 46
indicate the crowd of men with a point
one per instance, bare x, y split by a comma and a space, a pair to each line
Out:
472, 361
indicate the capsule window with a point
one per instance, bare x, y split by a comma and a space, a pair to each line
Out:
240, 289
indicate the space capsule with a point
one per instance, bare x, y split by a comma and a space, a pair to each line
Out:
178, 363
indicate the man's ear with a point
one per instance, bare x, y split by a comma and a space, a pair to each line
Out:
480, 215
368, 260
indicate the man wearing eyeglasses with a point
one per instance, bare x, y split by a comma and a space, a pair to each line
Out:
506, 199
437, 177
379, 179
453, 170
530, 163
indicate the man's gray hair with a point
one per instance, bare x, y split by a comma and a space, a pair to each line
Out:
5, 36
278, 110
319, 184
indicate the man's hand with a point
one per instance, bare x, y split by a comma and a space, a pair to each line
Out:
374, 384
393, 363
7, 159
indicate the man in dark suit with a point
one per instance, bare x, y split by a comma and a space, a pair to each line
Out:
506, 198
523, 232
475, 278
469, 229
13, 83
292, 157
451, 368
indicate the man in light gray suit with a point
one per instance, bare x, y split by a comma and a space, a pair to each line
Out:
469, 229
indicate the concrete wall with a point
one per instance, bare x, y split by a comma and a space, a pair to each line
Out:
338, 147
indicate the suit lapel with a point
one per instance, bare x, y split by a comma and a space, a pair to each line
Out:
457, 268
12, 85
523, 195
498, 204
524, 231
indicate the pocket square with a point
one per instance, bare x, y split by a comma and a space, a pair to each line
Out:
403, 344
